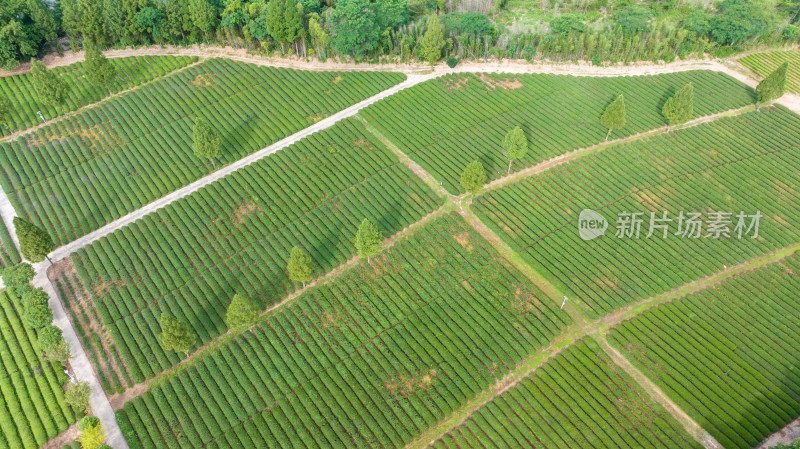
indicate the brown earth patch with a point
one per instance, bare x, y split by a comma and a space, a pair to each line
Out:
494, 84
455, 84
203, 80
244, 211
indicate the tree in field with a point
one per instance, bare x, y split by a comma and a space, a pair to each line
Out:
50, 341
205, 140
241, 312
772, 87
473, 178
369, 240
99, 69
299, 266
49, 87
515, 145
34, 243
5, 113
17, 276
38, 316
175, 334
433, 41
680, 108
77, 397
92, 432
614, 115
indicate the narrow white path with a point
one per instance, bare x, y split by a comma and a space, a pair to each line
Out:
69, 248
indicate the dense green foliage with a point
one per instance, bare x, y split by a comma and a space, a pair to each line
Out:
473, 178
235, 235
34, 242
25, 25
300, 265
614, 115
765, 63
32, 407
745, 163
242, 311
577, 399
130, 72
137, 147
727, 355
370, 359
369, 240
679, 108
773, 86
446, 123
49, 88
175, 334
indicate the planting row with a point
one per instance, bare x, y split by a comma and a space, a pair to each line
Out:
446, 123
578, 399
81, 173
370, 359
728, 356
32, 408
765, 63
744, 164
236, 234
130, 72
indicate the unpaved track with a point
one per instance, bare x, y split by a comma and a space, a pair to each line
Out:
417, 73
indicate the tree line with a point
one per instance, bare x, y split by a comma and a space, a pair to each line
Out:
396, 29
677, 110
177, 335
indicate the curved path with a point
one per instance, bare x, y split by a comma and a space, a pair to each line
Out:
416, 74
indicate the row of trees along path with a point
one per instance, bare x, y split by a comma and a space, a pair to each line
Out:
35, 244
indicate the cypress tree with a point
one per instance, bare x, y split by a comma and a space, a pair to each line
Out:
680, 108
515, 145
35, 244
175, 334
433, 41
99, 69
614, 115
772, 87
299, 266
473, 178
49, 87
205, 140
242, 311
369, 240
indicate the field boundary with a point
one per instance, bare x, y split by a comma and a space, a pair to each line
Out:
66, 115
596, 329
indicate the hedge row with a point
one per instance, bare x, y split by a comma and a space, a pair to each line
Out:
130, 72
578, 399
746, 163
371, 359
728, 356
81, 173
446, 123
32, 408
236, 234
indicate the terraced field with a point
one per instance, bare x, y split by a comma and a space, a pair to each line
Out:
369, 359
765, 63
32, 408
728, 355
130, 72
579, 398
78, 174
446, 123
236, 234
746, 163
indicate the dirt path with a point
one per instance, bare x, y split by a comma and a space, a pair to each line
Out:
788, 435
62, 439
